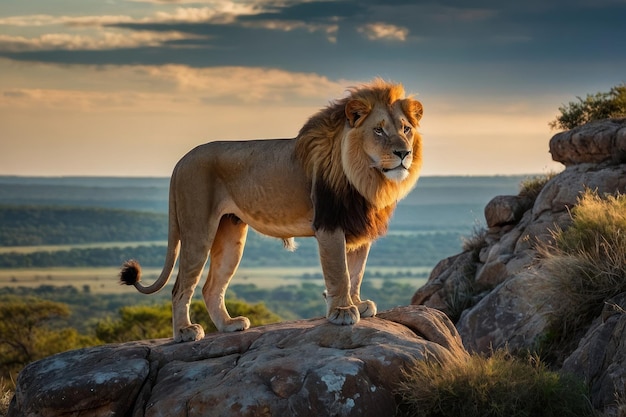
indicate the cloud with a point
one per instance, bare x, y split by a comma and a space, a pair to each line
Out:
248, 85
181, 14
384, 31
38, 20
103, 40
173, 87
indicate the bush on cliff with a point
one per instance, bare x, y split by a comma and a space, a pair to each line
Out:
499, 385
599, 106
585, 265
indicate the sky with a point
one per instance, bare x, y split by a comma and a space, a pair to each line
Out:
126, 87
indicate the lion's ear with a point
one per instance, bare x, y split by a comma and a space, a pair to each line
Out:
356, 110
413, 109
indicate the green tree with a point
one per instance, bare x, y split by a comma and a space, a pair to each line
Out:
154, 322
136, 323
30, 329
593, 107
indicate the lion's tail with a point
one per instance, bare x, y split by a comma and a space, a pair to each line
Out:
131, 270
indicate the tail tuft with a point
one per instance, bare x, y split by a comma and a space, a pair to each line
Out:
130, 273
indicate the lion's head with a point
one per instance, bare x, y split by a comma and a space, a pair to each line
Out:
367, 140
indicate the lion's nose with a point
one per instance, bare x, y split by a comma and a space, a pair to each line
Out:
401, 154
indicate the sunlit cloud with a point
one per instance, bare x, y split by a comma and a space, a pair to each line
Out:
384, 31
248, 85
177, 87
289, 25
38, 20
103, 40
219, 14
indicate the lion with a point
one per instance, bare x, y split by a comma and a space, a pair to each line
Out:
339, 181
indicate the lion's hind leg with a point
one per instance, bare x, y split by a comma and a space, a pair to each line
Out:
193, 257
226, 253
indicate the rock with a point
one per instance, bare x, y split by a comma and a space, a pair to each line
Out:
506, 209
303, 368
447, 286
600, 358
504, 300
99, 381
595, 142
515, 314
499, 271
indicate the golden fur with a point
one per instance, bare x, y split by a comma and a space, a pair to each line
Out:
339, 181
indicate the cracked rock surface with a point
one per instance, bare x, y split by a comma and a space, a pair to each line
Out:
302, 368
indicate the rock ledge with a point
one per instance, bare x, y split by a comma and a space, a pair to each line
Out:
302, 368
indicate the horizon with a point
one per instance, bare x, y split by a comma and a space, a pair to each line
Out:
126, 88
161, 177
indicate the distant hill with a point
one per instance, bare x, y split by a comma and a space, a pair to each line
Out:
453, 203
427, 226
33, 226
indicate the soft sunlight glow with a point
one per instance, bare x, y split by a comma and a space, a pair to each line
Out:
127, 87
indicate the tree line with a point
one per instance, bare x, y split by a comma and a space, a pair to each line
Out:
40, 225
33, 226
260, 251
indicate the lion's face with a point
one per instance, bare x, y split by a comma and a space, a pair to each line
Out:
387, 139
383, 139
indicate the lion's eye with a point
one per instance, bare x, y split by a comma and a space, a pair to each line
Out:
407, 130
379, 131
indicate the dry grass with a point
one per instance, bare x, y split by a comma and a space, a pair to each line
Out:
499, 385
586, 264
532, 186
476, 241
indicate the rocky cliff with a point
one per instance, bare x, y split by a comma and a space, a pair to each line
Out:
303, 368
495, 290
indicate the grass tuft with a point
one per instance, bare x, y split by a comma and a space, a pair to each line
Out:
532, 186
500, 385
476, 241
586, 263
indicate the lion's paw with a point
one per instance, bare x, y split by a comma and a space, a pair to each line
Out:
236, 324
344, 316
367, 308
190, 333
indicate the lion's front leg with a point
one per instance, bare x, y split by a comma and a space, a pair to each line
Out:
356, 266
340, 308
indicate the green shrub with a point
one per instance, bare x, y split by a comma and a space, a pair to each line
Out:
594, 107
500, 385
155, 322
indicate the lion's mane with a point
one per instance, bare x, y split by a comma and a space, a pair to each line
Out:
349, 194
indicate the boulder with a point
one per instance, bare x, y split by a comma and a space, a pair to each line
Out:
515, 314
506, 209
596, 142
601, 356
493, 292
302, 368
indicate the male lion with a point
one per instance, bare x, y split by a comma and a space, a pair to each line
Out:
339, 180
